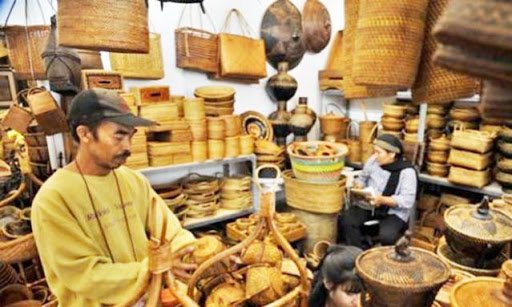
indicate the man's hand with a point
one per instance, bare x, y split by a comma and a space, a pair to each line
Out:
182, 269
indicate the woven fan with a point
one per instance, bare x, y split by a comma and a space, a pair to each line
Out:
265, 225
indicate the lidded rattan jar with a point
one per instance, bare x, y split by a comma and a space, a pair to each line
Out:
401, 275
478, 232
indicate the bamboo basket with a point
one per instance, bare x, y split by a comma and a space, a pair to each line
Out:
89, 25
216, 128
168, 148
196, 49
435, 84
110, 80
152, 94
194, 109
47, 112
199, 151
17, 117
232, 145
473, 140
477, 179
367, 130
90, 59
320, 227
140, 65
177, 124
470, 160
216, 149
246, 145
25, 56
18, 250
162, 113
233, 125
389, 32
199, 129
350, 89
314, 197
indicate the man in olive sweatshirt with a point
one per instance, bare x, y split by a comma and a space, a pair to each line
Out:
91, 218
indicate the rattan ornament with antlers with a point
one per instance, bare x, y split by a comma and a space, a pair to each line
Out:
268, 296
160, 264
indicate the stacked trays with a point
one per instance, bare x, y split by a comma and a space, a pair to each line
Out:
392, 121
268, 152
504, 146
175, 199
202, 195
139, 157
236, 193
437, 156
218, 100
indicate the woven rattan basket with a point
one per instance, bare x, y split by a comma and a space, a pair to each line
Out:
216, 149
199, 129
463, 176
25, 57
89, 25
473, 140
435, 84
47, 112
389, 32
314, 197
232, 147
141, 65
471, 160
246, 144
216, 128
194, 109
196, 49
17, 117
401, 275
199, 151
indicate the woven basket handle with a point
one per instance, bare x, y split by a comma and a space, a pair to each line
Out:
244, 26
192, 21
349, 129
257, 176
336, 106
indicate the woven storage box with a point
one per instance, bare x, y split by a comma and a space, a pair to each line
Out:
163, 113
168, 148
22, 53
389, 32
477, 179
160, 160
473, 140
350, 89
17, 118
196, 49
141, 65
90, 24
435, 84
318, 168
471, 160
314, 197
151, 94
47, 112
110, 80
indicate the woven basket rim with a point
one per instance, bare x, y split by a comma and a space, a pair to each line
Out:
341, 148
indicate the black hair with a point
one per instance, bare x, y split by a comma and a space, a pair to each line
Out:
337, 267
91, 125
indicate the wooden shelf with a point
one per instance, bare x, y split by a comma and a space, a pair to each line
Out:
493, 189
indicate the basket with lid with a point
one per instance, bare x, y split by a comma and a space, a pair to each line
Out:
401, 275
478, 232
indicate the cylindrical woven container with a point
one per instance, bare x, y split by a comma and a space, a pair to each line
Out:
199, 129
321, 227
179, 101
366, 151
350, 89
233, 125
23, 53
232, 147
389, 32
90, 24
435, 84
216, 128
216, 149
199, 151
367, 130
141, 65
194, 108
246, 144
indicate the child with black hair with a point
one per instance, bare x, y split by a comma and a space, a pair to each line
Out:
336, 283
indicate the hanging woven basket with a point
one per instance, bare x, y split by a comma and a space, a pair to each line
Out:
107, 25
435, 84
389, 32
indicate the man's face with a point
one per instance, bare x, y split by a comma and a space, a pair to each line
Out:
383, 157
112, 146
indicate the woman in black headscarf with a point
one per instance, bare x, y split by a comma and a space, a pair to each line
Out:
395, 182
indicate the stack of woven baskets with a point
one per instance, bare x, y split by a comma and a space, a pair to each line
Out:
437, 156
464, 115
315, 188
393, 119
470, 157
218, 100
235, 192
268, 152
203, 197
139, 157
504, 174
38, 153
175, 199
437, 119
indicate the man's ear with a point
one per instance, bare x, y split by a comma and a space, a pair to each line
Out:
83, 134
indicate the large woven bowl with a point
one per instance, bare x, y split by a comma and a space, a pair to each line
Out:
318, 168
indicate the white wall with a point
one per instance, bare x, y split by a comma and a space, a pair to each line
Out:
183, 82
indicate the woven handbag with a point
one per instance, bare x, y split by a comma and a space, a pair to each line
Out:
17, 117
90, 25
47, 112
435, 84
389, 32
241, 56
196, 48
141, 65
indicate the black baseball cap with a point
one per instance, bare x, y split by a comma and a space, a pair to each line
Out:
99, 104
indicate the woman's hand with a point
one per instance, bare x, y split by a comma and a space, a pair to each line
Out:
380, 200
